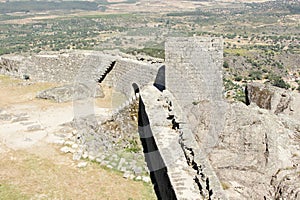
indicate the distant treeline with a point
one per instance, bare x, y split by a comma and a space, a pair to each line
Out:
27, 6
190, 13
105, 2
294, 9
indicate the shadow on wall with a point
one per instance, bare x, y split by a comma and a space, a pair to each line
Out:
160, 80
158, 170
112, 65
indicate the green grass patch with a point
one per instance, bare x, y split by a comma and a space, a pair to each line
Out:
237, 52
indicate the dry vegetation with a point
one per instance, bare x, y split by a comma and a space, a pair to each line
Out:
50, 175
41, 171
14, 91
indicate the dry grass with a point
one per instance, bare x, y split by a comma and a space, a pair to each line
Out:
19, 91
25, 175
15, 91
225, 185
10, 192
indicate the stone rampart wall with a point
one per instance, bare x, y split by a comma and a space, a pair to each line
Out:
128, 71
10, 65
81, 66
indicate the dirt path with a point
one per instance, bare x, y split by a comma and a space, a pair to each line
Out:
32, 167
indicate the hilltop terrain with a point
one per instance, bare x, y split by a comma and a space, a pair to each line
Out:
261, 45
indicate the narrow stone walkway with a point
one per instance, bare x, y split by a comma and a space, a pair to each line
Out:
191, 175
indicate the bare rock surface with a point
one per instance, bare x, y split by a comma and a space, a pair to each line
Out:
255, 146
67, 93
276, 99
257, 155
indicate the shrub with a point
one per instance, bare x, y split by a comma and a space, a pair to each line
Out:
278, 82
225, 64
238, 78
255, 75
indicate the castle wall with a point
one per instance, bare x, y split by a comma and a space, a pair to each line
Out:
194, 77
83, 67
194, 68
126, 72
54, 67
10, 65
68, 67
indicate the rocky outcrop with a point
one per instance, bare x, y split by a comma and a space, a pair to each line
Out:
277, 100
286, 183
268, 97
66, 93
254, 145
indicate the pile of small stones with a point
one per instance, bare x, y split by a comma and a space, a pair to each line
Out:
115, 144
